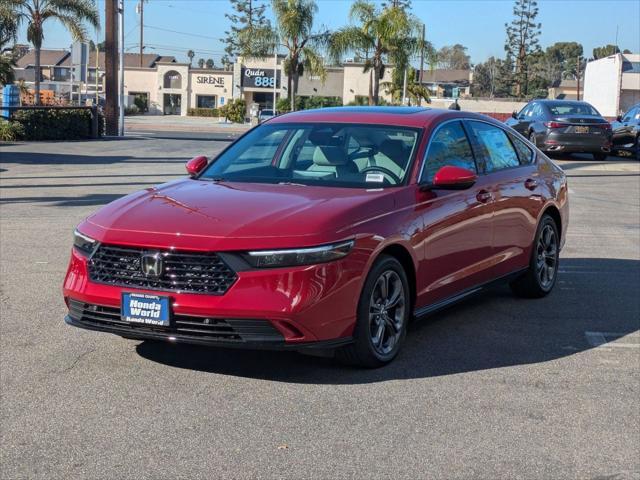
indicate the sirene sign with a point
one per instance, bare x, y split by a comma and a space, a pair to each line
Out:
217, 81
260, 77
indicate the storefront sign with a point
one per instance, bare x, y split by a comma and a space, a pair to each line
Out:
216, 81
260, 77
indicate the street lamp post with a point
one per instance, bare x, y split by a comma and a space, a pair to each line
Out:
121, 69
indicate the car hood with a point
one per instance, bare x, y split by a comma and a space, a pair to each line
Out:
190, 213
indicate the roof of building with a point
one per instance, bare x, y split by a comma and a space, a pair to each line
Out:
566, 83
131, 60
48, 58
440, 75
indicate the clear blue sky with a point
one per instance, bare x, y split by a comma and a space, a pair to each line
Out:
477, 24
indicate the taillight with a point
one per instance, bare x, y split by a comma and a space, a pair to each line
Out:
555, 125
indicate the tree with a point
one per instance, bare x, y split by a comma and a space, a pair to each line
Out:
404, 4
294, 33
73, 14
201, 62
100, 45
453, 57
191, 54
605, 51
493, 78
522, 40
8, 32
248, 24
209, 63
381, 37
415, 91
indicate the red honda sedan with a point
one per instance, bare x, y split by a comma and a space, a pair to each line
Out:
325, 229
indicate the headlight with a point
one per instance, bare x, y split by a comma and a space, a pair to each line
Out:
83, 243
298, 256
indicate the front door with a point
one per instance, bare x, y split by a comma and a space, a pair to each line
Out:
509, 168
172, 104
458, 223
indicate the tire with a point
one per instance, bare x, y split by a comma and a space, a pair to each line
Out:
600, 157
532, 138
379, 336
542, 274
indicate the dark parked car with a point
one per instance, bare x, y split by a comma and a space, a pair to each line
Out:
564, 126
324, 229
626, 133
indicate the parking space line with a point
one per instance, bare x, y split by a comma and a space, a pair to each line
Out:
611, 339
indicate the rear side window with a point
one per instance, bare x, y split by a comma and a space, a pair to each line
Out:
495, 146
449, 146
525, 154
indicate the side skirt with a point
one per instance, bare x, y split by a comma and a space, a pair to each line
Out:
447, 302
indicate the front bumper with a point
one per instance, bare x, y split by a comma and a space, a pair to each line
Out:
302, 307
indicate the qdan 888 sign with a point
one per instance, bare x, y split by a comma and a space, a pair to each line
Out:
264, 81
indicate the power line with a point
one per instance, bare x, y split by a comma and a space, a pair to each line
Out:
181, 33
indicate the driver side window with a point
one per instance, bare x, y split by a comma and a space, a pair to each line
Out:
449, 146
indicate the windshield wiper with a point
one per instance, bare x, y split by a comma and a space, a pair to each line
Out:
292, 183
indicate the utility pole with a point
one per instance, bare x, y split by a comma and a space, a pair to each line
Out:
578, 77
404, 88
111, 69
121, 69
141, 5
421, 62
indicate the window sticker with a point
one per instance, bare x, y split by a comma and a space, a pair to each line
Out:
375, 177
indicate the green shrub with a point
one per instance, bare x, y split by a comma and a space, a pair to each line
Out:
131, 110
141, 103
10, 131
235, 110
203, 112
53, 124
283, 105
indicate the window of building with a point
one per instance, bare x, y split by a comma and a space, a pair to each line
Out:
630, 67
448, 147
172, 79
206, 101
495, 146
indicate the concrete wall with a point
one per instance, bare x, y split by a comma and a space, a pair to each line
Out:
332, 86
356, 82
143, 80
602, 84
481, 105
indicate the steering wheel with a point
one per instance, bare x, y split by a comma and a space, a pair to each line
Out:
386, 171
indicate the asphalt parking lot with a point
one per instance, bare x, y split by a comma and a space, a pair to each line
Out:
495, 388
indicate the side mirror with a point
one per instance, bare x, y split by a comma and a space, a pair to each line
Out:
453, 178
514, 114
196, 165
619, 118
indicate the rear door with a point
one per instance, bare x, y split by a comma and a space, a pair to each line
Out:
513, 176
623, 134
458, 223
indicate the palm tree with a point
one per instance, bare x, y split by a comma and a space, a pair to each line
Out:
201, 62
71, 13
294, 23
8, 32
383, 36
191, 54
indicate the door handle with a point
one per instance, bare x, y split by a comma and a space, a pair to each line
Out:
530, 184
484, 196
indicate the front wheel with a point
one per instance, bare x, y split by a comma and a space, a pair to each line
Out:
532, 138
543, 266
382, 316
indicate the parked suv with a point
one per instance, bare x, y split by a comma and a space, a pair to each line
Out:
564, 126
325, 229
626, 133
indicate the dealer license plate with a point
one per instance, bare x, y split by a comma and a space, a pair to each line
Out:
145, 309
581, 129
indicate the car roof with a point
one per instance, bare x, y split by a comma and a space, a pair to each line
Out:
397, 116
563, 102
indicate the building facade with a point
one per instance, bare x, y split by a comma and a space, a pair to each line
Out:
612, 84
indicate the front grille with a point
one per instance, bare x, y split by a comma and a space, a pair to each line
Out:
190, 272
225, 330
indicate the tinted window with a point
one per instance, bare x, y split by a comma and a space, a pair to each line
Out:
571, 108
537, 110
449, 146
525, 154
495, 146
631, 114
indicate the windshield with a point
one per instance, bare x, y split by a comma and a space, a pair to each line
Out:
341, 155
561, 108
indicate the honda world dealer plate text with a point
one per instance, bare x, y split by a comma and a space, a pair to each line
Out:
145, 309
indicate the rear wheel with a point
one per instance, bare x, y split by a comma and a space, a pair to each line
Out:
382, 316
532, 138
543, 266
600, 157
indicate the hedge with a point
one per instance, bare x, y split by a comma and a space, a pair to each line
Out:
10, 131
203, 112
56, 124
